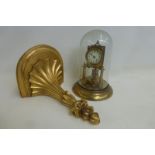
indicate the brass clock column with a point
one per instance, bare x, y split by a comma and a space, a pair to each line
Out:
92, 85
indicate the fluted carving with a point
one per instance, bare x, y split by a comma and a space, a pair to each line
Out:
44, 79
40, 72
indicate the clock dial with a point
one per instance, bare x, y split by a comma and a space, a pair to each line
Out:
94, 57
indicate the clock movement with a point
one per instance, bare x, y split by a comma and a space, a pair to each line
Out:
96, 47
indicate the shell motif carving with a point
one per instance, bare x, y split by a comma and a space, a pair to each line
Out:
44, 79
40, 72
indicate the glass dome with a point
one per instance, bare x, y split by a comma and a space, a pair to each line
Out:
95, 56
91, 38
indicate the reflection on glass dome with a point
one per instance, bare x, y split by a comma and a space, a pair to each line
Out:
96, 47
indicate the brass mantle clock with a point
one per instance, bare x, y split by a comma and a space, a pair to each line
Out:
92, 85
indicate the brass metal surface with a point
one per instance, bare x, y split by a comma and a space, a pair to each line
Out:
101, 50
92, 85
94, 95
40, 72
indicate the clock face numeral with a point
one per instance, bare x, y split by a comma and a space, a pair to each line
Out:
94, 57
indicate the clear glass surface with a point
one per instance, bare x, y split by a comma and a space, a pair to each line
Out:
91, 38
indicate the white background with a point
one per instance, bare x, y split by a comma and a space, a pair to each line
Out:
132, 77
69, 12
